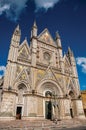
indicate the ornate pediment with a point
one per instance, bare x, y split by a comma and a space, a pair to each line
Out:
24, 75
46, 37
24, 50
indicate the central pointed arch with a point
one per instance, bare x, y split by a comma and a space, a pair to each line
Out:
49, 88
51, 85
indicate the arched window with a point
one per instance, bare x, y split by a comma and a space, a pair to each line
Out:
71, 94
48, 94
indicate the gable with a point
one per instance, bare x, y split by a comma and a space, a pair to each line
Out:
24, 50
23, 75
46, 38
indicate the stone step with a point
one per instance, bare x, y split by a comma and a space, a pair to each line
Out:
39, 124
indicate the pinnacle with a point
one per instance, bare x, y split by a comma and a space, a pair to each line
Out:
34, 25
57, 35
17, 28
70, 51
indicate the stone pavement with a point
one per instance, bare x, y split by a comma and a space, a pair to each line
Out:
40, 124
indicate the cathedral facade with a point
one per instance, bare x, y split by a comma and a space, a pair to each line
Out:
40, 82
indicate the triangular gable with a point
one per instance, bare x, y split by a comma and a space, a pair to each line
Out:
46, 37
23, 76
24, 50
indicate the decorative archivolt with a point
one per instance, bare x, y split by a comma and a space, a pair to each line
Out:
49, 85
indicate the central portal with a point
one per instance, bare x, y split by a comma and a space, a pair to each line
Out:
48, 110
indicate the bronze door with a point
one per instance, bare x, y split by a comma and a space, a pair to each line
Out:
48, 110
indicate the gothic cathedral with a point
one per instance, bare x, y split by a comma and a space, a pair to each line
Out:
40, 82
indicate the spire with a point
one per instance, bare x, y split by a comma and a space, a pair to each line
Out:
14, 46
70, 52
34, 30
58, 40
34, 24
57, 35
17, 30
16, 36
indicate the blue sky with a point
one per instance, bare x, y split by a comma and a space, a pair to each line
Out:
68, 17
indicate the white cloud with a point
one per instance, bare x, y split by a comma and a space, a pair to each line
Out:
2, 69
4, 8
81, 61
13, 8
45, 4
